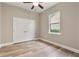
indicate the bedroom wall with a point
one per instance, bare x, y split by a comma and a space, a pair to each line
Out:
0, 22
69, 24
7, 21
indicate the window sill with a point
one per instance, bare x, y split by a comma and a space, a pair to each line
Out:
54, 33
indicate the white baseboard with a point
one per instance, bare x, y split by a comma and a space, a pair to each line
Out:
27, 40
60, 45
10, 43
5, 44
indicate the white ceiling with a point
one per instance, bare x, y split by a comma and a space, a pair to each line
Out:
28, 6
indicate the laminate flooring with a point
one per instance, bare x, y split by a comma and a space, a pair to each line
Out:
35, 49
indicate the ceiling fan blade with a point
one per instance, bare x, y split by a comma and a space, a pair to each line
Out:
27, 2
41, 6
32, 7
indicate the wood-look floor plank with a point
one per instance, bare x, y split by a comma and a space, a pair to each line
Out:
35, 49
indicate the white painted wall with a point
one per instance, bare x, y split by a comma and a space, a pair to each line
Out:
7, 21
69, 22
0, 23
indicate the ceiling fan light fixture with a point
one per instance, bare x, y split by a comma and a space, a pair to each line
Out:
35, 3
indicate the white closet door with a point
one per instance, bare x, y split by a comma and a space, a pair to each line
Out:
23, 29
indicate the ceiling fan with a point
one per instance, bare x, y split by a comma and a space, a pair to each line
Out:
35, 4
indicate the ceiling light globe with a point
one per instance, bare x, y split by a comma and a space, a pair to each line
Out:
35, 3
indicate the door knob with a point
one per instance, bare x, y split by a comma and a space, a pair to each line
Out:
25, 31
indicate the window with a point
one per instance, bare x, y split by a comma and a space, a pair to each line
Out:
54, 23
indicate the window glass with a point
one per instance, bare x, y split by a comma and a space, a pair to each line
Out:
54, 22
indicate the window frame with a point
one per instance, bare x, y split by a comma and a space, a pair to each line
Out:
58, 33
